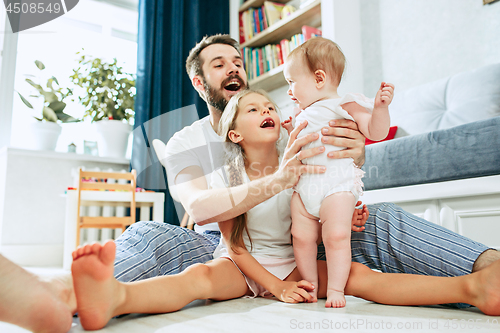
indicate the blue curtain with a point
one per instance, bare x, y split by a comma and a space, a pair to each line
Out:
168, 29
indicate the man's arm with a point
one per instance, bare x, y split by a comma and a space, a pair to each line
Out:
212, 205
345, 133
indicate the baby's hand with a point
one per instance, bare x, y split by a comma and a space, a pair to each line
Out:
287, 124
384, 95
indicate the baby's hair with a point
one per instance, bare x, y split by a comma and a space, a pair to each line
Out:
235, 158
321, 53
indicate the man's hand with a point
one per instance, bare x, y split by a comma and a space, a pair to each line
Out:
359, 217
291, 167
345, 133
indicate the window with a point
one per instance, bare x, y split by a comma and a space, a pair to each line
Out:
102, 30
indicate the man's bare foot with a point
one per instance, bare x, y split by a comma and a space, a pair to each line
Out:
486, 288
98, 293
28, 301
334, 299
62, 287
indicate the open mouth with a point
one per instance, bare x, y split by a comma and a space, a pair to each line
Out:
233, 85
268, 122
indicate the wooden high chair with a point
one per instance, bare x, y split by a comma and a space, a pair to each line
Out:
98, 183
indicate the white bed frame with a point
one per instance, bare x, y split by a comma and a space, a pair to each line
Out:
470, 207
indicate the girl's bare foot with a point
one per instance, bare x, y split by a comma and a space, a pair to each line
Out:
486, 288
98, 293
28, 301
334, 299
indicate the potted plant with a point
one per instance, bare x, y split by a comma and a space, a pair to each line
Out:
108, 97
46, 130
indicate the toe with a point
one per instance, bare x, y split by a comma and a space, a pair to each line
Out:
108, 251
95, 248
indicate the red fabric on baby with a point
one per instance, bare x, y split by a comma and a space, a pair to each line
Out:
390, 136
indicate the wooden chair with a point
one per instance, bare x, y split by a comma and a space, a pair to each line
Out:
159, 147
99, 183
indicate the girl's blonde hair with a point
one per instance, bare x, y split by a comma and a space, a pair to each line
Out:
235, 159
321, 53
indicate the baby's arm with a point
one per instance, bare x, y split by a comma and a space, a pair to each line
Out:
286, 291
287, 124
374, 126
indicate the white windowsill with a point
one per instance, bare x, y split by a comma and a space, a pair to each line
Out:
66, 156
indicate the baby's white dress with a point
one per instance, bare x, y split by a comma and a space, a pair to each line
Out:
341, 175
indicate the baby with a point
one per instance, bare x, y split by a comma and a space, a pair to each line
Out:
313, 71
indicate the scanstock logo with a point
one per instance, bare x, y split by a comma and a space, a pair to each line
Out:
26, 14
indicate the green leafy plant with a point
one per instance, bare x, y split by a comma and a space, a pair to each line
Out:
109, 92
53, 104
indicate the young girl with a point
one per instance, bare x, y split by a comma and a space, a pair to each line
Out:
256, 255
313, 71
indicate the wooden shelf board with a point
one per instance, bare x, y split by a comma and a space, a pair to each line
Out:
309, 15
270, 80
256, 3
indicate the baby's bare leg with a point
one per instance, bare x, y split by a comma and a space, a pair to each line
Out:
100, 296
305, 232
336, 215
28, 301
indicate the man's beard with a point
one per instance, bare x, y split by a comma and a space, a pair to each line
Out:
215, 97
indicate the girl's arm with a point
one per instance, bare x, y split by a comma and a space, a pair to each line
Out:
374, 126
286, 291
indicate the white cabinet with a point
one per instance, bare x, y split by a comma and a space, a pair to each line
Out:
32, 201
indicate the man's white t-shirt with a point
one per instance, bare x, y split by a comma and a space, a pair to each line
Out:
194, 145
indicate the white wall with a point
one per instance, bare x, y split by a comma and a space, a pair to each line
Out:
411, 42
8, 45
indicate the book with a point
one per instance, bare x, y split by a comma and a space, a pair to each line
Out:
255, 21
264, 18
261, 20
310, 32
242, 30
273, 11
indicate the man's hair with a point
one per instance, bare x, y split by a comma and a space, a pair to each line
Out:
193, 61
321, 53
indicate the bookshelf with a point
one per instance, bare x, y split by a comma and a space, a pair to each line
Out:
309, 15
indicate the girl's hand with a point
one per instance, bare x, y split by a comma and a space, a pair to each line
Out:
294, 292
359, 218
291, 167
287, 124
345, 133
384, 95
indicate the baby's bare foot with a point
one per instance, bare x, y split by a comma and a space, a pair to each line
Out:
486, 287
98, 293
334, 299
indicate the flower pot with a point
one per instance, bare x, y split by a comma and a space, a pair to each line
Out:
112, 137
44, 135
